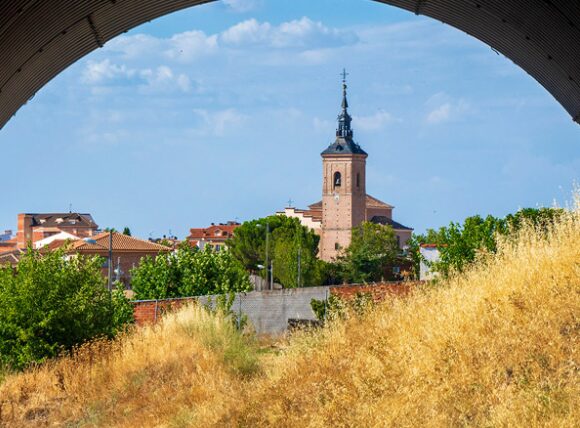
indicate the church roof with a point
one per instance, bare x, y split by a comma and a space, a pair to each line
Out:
371, 202
381, 219
376, 203
344, 144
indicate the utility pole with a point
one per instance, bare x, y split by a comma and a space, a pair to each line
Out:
298, 280
110, 260
267, 252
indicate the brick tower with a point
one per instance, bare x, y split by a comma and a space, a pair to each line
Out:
344, 186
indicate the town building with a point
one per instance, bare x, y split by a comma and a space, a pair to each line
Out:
6, 235
215, 235
36, 227
127, 252
345, 202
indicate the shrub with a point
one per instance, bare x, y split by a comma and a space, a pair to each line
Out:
50, 304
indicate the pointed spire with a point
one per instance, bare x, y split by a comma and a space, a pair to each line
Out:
344, 118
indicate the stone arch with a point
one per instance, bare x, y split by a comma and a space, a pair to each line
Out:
39, 39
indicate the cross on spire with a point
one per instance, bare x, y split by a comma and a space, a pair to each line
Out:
344, 118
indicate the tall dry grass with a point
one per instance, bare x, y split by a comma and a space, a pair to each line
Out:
170, 374
497, 346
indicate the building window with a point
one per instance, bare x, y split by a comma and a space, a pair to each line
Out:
336, 246
337, 179
358, 179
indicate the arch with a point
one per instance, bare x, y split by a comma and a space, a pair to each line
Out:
336, 180
39, 39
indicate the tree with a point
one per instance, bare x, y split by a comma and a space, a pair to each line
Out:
372, 251
188, 272
49, 304
288, 242
459, 244
126, 231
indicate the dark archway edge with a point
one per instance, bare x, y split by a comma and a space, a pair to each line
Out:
40, 38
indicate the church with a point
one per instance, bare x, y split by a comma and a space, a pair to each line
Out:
345, 203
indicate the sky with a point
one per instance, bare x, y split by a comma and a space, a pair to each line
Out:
220, 112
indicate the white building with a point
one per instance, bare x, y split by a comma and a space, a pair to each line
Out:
430, 254
61, 236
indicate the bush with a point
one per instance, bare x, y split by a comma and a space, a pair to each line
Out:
188, 272
50, 304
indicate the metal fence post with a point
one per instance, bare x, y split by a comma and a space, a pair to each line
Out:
325, 303
239, 311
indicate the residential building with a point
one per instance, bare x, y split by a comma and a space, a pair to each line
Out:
215, 236
127, 251
35, 227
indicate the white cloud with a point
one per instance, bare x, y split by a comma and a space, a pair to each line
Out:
375, 122
190, 45
241, 5
98, 72
443, 108
220, 123
163, 79
297, 33
439, 114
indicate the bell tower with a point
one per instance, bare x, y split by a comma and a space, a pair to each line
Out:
343, 186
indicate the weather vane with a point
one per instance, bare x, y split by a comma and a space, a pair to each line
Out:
344, 74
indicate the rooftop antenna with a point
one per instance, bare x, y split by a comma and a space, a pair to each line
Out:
70, 208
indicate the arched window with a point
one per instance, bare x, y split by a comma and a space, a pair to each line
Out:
337, 180
358, 179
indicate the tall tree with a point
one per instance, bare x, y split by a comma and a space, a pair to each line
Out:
372, 251
281, 239
126, 231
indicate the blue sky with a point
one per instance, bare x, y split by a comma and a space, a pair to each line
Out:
220, 112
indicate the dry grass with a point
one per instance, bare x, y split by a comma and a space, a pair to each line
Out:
495, 347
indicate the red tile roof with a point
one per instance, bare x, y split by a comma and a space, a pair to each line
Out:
371, 202
216, 231
120, 243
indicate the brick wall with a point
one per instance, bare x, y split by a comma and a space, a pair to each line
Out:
378, 291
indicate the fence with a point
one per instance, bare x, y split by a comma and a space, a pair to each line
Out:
270, 311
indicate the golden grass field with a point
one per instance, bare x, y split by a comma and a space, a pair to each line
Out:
496, 347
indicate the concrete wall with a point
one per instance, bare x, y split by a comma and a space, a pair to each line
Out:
267, 311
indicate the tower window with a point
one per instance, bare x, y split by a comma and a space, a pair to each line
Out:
336, 246
358, 179
337, 179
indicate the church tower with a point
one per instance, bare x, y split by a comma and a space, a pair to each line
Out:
344, 186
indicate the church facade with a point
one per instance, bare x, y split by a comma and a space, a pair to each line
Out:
345, 203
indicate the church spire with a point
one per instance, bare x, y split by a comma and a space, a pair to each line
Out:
344, 130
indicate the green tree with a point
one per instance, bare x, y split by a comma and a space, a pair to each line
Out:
49, 304
371, 253
126, 231
188, 272
288, 243
459, 244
